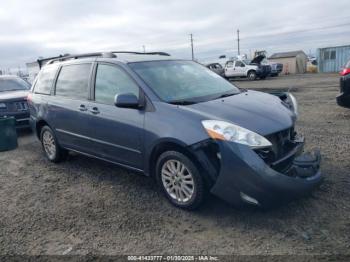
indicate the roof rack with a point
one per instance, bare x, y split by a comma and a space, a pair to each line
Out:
61, 58
141, 53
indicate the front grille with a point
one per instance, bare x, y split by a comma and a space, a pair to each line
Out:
282, 144
21, 106
18, 106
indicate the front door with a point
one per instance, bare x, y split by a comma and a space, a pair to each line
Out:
239, 68
229, 69
118, 132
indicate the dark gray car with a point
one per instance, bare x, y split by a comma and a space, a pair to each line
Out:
13, 99
175, 120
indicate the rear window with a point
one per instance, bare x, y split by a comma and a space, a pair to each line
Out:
13, 84
45, 80
73, 81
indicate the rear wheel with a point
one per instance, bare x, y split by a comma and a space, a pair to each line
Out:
52, 150
251, 75
180, 180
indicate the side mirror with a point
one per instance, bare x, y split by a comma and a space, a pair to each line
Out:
127, 100
242, 65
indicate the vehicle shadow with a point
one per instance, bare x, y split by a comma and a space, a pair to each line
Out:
148, 192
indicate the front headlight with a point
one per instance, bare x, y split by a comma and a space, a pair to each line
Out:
222, 130
2, 106
293, 103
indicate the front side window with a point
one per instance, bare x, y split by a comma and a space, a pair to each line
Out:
45, 80
73, 81
239, 64
182, 81
110, 81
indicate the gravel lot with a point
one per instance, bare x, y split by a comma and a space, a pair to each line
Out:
86, 206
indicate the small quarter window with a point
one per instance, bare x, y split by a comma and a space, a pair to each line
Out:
45, 80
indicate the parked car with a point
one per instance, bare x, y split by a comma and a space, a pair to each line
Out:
217, 68
13, 99
177, 121
276, 68
246, 68
343, 99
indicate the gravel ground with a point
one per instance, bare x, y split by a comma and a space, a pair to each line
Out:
86, 206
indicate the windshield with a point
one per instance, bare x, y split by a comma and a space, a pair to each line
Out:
12, 84
187, 81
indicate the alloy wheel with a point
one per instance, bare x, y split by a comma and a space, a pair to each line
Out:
177, 181
49, 144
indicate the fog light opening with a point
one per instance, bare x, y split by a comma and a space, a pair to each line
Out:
249, 199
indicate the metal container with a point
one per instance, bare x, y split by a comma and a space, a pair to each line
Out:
8, 134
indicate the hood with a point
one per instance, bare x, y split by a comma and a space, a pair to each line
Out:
14, 95
259, 112
257, 59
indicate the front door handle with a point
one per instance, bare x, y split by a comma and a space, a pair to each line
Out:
82, 108
94, 110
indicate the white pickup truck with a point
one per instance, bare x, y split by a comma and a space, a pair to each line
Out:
246, 68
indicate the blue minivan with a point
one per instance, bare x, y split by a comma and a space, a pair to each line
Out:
177, 121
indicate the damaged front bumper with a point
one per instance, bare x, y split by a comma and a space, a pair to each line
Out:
243, 176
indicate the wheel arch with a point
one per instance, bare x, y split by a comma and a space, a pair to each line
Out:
173, 145
39, 125
250, 70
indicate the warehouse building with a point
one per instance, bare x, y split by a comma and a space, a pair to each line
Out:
332, 59
294, 62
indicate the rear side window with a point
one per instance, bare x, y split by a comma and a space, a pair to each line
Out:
73, 81
110, 81
45, 79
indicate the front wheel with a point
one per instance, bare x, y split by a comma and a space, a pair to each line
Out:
50, 146
180, 180
252, 75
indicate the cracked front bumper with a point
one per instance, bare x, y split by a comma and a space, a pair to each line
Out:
245, 177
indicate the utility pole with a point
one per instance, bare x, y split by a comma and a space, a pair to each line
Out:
238, 41
144, 48
192, 46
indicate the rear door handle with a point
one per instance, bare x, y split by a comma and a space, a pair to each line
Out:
94, 110
82, 108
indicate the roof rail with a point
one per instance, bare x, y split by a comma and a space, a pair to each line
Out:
61, 58
141, 53
67, 57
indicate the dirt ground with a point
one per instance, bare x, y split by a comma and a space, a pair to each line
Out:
86, 206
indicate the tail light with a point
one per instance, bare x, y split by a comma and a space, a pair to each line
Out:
29, 97
345, 72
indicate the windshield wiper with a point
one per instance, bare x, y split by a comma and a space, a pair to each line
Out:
226, 95
182, 102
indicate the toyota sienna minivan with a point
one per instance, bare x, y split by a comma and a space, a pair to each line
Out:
177, 121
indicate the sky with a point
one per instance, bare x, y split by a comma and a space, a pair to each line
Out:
44, 28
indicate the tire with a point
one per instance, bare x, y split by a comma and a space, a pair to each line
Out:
251, 75
52, 150
176, 185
